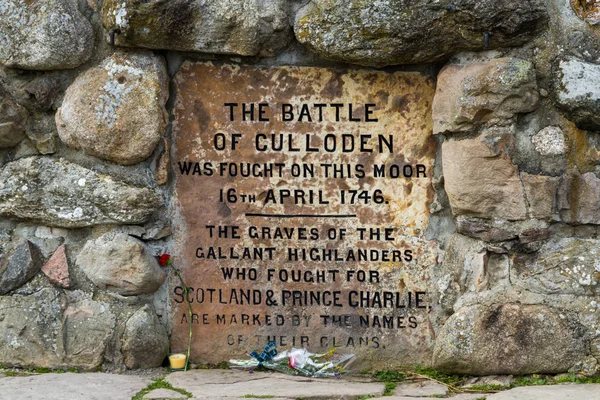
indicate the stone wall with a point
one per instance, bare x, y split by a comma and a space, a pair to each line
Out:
86, 107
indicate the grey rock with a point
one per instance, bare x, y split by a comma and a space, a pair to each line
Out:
510, 339
578, 92
122, 264
55, 192
496, 380
100, 113
595, 347
50, 329
145, 341
41, 130
587, 367
571, 33
469, 96
376, 33
579, 198
91, 386
481, 180
497, 230
44, 35
244, 27
550, 141
13, 118
463, 268
18, 268
562, 266
35, 90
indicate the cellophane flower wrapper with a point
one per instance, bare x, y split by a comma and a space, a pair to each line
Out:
301, 362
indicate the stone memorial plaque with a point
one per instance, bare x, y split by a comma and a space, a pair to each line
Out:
302, 199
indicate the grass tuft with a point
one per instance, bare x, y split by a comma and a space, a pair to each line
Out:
159, 384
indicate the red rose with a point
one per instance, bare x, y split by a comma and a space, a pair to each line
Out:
163, 260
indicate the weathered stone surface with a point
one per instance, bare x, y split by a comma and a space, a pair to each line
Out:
62, 194
481, 179
483, 94
400, 32
161, 172
57, 268
578, 92
549, 141
579, 198
116, 111
122, 264
247, 27
463, 269
34, 90
18, 268
586, 367
497, 380
44, 35
145, 341
421, 389
403, 100
573, 32
509, 339
12, 121
562, 266
50, 329
91, 386
540, 191
212, 384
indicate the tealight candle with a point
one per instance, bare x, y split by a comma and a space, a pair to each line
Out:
177, 361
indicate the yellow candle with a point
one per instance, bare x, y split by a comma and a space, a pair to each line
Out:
177, 361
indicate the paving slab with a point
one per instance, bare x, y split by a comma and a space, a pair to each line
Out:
468, 396
461, 396
89, 386
212, 384
164, 394
421, 389
553, 392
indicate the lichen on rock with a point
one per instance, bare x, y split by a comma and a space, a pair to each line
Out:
116, 111
58, 193
389, 32
44, 34
243, 27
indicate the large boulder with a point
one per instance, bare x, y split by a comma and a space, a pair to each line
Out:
13, 118
122, 264
44, 34
145, 341
509, 339
116, 111
53, 330
469, 96
55, 192
380, 33
244, 27
19, 267
577, 86
481, 180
